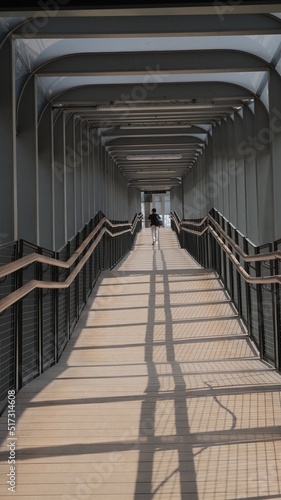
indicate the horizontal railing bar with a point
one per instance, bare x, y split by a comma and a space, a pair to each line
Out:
21, 292
246, 257
259, 280
193, 223
23, 262
195, 232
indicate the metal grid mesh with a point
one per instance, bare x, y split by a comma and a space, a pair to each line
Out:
89, 276
7, 356
40, 331
254, 308
48, 317
81, 284
48, 327
267, 310
257, 302
278, 302
30, 340
30, 326
243, 287
62, 304
7, 326
234, 272
62, 321
72, 291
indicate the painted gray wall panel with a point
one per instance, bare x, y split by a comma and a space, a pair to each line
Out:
239, 173
275, 142
27, 166
59, 183
8, 215
264, 178
45, 181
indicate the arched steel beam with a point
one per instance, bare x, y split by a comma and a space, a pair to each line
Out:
152, 63
148, 25
91, 95
65, 8
136, 141
186, 61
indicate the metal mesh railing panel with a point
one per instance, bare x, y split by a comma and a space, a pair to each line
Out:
39, 325
48, 316
7, 353
48, 329
30, 320
266, 311
8, 253
62, 321
62, 304
30, 338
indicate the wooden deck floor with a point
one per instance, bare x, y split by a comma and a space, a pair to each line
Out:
159, 395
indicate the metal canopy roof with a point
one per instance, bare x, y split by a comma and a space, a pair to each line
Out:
152, 80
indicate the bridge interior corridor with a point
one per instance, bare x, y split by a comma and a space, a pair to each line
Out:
159, 394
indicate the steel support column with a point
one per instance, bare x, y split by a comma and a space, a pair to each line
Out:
275, 144
70, 177
230, 171
8, 189
27, 166
262, 151
78, 175
60, 182
45, 182
239, 173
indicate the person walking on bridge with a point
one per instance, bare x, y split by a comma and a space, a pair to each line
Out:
155, 223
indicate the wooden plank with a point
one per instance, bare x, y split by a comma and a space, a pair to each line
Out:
159, 393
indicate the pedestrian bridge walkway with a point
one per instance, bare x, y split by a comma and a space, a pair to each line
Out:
159, 394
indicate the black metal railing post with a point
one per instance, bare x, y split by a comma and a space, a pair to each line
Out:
260, 309
77, 284
39, 273
56, 316
68, 297
230, 265
20, 326
238, 279
247, 286
18, 321
276, 313
224, 269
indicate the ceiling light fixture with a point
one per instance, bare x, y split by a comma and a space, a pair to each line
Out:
158, 125
155, 157
167, 171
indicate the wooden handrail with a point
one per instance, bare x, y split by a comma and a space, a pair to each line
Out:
197, 224
246, 257
21, 292
18, 264
256, 281
195, 232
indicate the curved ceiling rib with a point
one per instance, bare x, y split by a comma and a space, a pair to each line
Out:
151, 81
